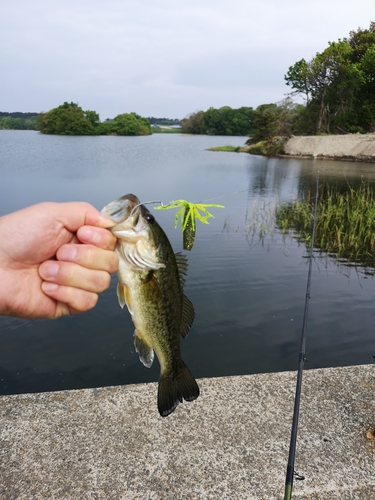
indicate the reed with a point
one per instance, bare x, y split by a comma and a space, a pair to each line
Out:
345, 225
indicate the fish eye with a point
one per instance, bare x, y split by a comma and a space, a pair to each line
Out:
150, 218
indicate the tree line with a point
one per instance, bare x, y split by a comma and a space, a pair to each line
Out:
163, 121
222, 121
18, 121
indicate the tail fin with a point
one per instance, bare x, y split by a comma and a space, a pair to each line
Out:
173, 389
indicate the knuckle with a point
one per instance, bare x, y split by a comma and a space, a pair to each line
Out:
114, 263
92, 300
105, 281
85, 302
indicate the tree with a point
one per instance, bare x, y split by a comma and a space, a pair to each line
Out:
70, 119
92, 117
130, 124
275, 120
330, 68
192, 124
298, 77
67, 119
339, 84
222, 121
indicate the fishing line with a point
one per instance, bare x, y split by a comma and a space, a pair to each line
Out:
144, 203
300, 176
290, 472
226, 195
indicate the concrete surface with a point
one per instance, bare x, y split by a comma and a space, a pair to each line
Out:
353, 147
231, 443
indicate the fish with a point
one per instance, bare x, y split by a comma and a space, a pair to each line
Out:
150, 282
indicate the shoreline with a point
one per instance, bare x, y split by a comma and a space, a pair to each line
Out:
350, 147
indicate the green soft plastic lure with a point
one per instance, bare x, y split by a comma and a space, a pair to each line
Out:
188, 213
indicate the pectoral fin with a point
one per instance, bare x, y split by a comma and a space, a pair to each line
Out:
120, 295
188, 316
146, 353
124, 297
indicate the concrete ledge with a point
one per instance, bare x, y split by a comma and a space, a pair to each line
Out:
232, 443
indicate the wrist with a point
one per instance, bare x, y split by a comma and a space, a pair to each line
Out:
5, 292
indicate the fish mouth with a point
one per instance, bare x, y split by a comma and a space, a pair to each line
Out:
131, 227
121, 209
131, 219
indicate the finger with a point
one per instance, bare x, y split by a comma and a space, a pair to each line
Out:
97, 236
89, 256
76, 214
73, 275
70, 300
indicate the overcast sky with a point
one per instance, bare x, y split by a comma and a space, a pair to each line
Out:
163, 58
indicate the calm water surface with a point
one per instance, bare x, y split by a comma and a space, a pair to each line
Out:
248, 291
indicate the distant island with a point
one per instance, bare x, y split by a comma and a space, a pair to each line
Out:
71, 119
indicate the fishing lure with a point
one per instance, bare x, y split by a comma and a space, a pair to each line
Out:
187, 213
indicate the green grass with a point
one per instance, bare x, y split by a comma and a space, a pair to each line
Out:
266, 149
228, 149
162, 130
345, 223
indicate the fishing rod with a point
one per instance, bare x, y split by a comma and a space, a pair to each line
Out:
290, 472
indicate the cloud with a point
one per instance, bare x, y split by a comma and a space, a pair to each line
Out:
162, 57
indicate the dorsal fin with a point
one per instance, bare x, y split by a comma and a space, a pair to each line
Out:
182, 265
187, 317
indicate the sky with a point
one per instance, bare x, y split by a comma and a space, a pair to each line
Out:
162, 58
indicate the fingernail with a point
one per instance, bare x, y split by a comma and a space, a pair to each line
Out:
49, 269
49, 287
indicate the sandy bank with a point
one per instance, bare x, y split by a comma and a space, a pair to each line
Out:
351, 147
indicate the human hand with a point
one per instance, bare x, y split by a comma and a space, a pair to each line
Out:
54, 259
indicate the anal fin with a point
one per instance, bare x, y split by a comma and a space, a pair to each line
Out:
146, 353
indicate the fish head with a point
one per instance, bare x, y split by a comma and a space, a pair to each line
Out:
119, 210
136, 231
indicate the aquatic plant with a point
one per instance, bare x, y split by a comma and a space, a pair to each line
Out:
228, 149
345, 224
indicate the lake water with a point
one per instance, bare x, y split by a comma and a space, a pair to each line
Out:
248, 291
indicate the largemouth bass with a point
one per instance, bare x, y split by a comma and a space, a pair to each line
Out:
150, 283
